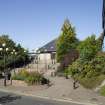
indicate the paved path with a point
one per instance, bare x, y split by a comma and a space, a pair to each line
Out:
13, 99
61, 89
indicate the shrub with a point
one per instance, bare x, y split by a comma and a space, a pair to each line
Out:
91, 71
75, 68
24, 73
89, 68
89, 48
44, 81
91, 82
21, 75
33, 78
102, 91
18, 77
97, 64
30, 78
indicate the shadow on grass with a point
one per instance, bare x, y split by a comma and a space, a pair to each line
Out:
8, 98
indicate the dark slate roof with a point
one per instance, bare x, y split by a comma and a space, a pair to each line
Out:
49, 47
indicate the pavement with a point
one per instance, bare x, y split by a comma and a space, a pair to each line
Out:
61, 90
15, 99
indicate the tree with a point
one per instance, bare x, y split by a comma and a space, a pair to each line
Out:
20, 58
103, 25
90, 66
101, 40
66, 41
89, 48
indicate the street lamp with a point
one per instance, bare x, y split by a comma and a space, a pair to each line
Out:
3, 44
1, 50
45, 51
38, 59
14, 53
4, 50
24, 58
34, 52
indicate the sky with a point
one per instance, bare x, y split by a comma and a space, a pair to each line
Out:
34, 23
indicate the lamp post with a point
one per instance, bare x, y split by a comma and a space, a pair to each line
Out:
45, 51
1, 51
34, 51
38, 59
14, 53
24, 58
4, 50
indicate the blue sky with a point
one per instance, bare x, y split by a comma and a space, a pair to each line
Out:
33, 23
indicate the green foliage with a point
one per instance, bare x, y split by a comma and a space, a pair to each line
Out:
19, 59
88, 48
9, 42
90, 66
21, 75
30, 78
18, 77
24, 73
102, 91
91, 82
33, 78
89, 72
66, 41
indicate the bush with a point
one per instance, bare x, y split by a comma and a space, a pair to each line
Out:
75, 68
21, 75
102, 91
90, 74
89, 48
92, 82
18, 77
44, 81
30, 78
33, 78
87, 72
24, 73
89, 68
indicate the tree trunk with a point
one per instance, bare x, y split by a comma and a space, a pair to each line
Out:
101, 38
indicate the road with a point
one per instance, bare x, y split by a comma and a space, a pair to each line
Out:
13, 99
